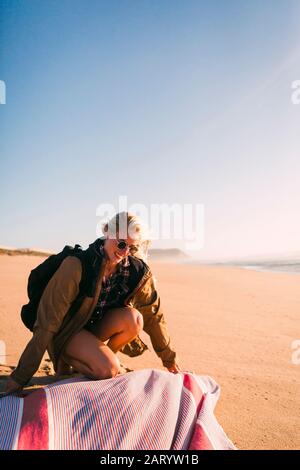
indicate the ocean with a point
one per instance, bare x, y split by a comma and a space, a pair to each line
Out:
279, 266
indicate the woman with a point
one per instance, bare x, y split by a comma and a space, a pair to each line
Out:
122, 301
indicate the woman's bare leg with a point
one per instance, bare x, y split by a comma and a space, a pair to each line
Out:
63, 368
90, 356
119, 326
88, 353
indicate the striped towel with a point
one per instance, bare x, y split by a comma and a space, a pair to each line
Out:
141, 410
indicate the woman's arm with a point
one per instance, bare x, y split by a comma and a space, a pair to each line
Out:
31, 357
55, 302
147, 301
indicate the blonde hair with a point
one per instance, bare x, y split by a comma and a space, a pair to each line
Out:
127, 224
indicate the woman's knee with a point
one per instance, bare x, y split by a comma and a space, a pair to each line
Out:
106, 368
134, 320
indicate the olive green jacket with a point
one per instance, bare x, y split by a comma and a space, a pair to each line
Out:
56, 322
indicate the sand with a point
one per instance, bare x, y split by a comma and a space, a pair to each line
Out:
233, 324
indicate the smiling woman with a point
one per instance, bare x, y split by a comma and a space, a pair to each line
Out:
85, 331
125, 234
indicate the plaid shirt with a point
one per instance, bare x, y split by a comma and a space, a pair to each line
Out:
113, 289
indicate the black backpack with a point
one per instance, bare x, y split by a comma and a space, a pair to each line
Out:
41, 275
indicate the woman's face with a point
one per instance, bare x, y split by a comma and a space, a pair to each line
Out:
116, 253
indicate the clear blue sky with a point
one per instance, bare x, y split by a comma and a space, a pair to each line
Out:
163, 101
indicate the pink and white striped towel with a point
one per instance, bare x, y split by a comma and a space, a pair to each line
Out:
141, 410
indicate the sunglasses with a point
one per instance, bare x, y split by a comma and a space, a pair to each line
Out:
122, 244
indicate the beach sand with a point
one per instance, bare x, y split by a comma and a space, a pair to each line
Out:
233, 324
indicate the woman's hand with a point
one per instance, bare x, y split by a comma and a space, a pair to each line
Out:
174, 368
11, 387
